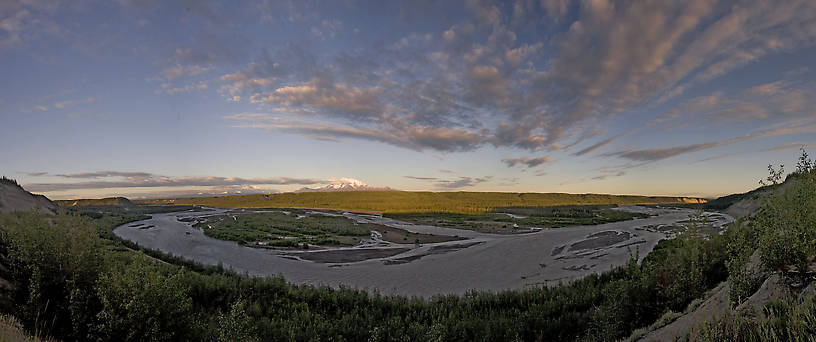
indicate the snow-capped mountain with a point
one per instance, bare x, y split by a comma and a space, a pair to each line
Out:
344, 184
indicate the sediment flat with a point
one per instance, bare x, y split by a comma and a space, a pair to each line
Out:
487, 262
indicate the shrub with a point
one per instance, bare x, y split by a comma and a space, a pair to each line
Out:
784, 321
786, 225
140, 303
743, 281
53, 262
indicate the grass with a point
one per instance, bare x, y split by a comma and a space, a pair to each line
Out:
279, 229
415, 202
12, 330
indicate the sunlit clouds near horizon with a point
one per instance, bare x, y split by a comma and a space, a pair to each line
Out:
176, 98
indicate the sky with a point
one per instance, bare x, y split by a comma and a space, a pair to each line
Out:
149, 98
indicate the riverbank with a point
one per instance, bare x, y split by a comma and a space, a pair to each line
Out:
488, 262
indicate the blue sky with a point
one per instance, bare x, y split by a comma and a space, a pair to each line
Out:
166, 98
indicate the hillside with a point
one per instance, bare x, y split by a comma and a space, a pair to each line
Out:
100, 202
744, 204
404, 201
14, 198
770, 293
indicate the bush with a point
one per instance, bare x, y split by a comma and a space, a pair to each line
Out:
743, 281
140, 303
786, 224
130, 296
53, 271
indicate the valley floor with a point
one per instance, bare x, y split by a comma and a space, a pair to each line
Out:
482, 261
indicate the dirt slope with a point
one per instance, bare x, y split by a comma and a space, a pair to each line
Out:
744, 205
713, 306
14, 198
774, 287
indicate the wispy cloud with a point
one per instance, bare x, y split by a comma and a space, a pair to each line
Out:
169, 89
69, 103
396, 132
462, 182
606, 142
422, 178
455, 183
783, 147
655, 154
208, 191
115, 179
100, 174
526, 161
790, 146
608, 175
526, 78
440, 84
176, 71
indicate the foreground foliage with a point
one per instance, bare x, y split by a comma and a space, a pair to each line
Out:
782, 321
75, 282
784, 234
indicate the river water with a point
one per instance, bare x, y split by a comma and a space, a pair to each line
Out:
482, 262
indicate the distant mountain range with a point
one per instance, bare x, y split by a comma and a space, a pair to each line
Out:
344, 184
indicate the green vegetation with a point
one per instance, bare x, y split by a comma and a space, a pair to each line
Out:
742, 278
284, 230
415, 202
98, 202
726, 201
782, 232
771, 184
562, 216
782, 321
787, 240
299, 229
5, 180
522, 218
75, 281
128, 211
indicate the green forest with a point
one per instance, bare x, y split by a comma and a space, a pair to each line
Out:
416, 202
